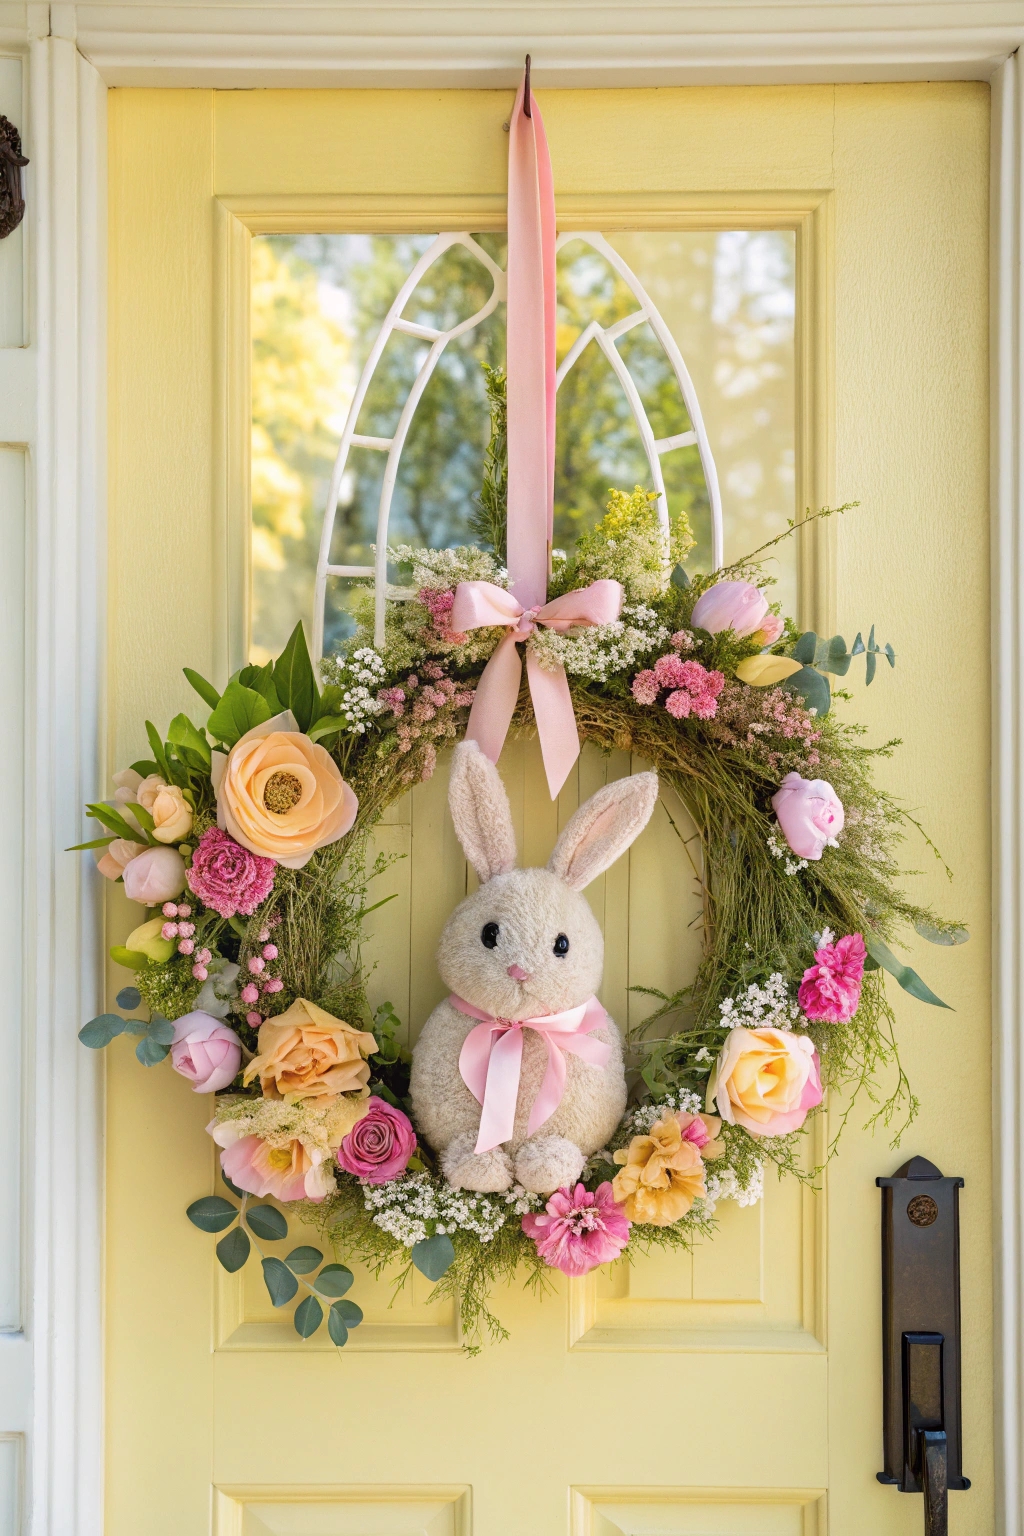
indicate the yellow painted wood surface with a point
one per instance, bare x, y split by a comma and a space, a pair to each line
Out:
733, 1391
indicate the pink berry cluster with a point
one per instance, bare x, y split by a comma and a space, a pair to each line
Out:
439, 604
183, 931
425, 707
692, 688
261, 980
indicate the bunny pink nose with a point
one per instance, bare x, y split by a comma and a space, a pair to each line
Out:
518, 974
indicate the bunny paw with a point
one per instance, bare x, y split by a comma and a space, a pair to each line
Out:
486, 1173
546, 1163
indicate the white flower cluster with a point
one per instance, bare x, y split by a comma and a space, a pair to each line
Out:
646, 1115
405, 1205
779, 850
442, 569
360, 673
767, 1007
726, 1186
598, 653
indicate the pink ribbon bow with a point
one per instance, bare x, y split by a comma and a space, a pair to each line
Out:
480, 603
492, 1058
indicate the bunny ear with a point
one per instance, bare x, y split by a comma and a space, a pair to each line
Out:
480, 811
602, 828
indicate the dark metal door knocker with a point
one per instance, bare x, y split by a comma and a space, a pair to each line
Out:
12, 204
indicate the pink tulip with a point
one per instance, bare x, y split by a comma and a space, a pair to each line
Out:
205, 1051
155, 876
810, 814
735, 605
771, 629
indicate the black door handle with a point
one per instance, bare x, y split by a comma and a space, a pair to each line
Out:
934, 1484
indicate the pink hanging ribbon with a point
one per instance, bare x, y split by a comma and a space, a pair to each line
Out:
492, 1055
531, 479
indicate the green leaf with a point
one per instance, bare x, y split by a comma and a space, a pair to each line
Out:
156, 746
869, 668
100, 1031
267, 1222
212, 1213
327, 725
161, 1030
812, 687
206, 691
680, 578
832, 656
143, 817
908, 979
262, 680
805, 647
936, 935
239, 710
129, 997
234, 1249
350, 1314
144, 767
97, 842
301, 1260
115, 822
131, 959
433, 1255
280, 1281
890, 655
333, 1280
136, 1027
190, 742
295, 681
150, 1052
336, 1327
871, 641
309, 1314
857, 649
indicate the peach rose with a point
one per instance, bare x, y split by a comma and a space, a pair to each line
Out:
171, 812
280, 795
111, 860
765, 1080
306, 1053
663, 1174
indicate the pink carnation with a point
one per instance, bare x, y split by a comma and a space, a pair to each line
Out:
705, 706
227, 877
830, 990
671, 672
578, 1230
646, 688
379, 1147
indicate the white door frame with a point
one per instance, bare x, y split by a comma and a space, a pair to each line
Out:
74, 51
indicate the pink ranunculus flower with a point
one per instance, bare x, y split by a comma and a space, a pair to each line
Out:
379, 1147
578, 1230
205, 1051
766, 1080
227, 877
735, 605
810, 814
830, 989
156, 875
287, 1172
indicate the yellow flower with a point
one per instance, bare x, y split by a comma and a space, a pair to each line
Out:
763, 671
280, 795
663, 1175
306, 1053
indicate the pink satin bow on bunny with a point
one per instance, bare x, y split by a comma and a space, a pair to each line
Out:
481, 603
492, 1056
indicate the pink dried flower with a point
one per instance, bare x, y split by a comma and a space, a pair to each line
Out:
679, 704
263, 935
830, 989
169, 909
682, 640
274, 984
250, 993
270, 951
705, 706
645, 688
186, 946
379, 1146
578, 1230
255, 1019
227, 877
432, 670
257, 964
200, 972
169, 931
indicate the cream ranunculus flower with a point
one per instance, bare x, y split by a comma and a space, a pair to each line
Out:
306, 1053
663, 1175
281, 795
765, 1080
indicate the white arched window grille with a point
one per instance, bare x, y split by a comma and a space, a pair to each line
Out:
605, 337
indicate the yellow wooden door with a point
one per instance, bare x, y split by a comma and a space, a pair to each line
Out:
737, 1391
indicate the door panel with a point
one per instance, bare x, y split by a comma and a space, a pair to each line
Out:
720, 1392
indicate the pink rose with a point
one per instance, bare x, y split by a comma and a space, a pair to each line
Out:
155, 876
578, 1230
380, 1145
735, 605
810, 814
227, 877
205, 1051
830, 990
765, 1080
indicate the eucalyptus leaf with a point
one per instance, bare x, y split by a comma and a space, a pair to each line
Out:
350, 1314
309, 1314
212, 1213
302, 1260
206, 691
805, 648
869, 668
333, 1280
233, 1250
100, 1031
129, 997
295, 681
936, 935
136, 1027
680, 578
336, 1328
267, 1222
150, 1052
280, 1281
857, 649
890, 655
811, 686
160, 1030
832, 656
908, 979
239, 710
433, 1255
232, 1186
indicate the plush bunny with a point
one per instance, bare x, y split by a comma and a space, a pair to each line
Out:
501, 1100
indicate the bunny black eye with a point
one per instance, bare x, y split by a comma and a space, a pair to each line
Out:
489, 936
561, 945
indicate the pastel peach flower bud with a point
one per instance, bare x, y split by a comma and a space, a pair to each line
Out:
735, 605
771, 629
810, 814
113, 860
765, 1080
171, 813
154, 876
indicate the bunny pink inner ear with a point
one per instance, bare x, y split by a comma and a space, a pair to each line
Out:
481, 812
603, 828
